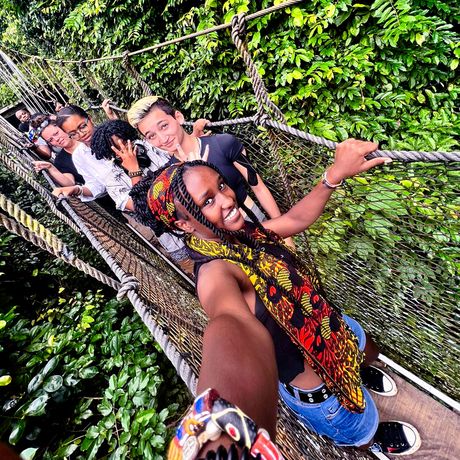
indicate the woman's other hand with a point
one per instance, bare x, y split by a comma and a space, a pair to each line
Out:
73, 190
350, 159
111, 115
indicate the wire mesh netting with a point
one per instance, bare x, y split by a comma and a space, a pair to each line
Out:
398, 275
386, 247
385, 250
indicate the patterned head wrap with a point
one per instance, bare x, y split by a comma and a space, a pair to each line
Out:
160, 198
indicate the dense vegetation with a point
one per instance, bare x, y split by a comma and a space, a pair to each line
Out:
386, 70
79, 374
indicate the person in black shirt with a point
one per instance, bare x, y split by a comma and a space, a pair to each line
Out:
23, 115
63, 170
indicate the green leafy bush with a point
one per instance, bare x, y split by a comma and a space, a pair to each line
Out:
84, 378
380, 70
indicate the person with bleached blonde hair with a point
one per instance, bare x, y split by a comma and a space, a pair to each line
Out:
161, 125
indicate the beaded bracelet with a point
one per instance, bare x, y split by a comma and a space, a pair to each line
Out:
137, 173
325, 182
211, 416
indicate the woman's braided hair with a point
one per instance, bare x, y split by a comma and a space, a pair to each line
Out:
181, 194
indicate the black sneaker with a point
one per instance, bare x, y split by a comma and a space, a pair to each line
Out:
378, 381
396, 438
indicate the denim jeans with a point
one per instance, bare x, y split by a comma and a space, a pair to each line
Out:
330, 418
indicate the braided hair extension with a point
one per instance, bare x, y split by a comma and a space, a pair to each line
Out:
296, 261
182, 195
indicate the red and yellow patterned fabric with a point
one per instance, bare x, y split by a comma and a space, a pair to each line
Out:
325, 340
160, 198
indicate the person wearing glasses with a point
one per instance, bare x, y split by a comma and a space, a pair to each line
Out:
79, 127
62, 170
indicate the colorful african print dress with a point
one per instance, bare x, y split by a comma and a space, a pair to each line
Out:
315, 327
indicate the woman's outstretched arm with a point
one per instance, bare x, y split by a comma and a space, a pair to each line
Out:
349, 161
238, 358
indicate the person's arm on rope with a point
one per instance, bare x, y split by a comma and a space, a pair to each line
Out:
62, 179
73, 190
349, 161
111, 115
199, 126
257, 185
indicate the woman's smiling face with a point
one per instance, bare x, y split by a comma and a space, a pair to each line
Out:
79, 128
216, 200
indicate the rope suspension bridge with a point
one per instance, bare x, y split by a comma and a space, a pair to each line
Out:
387, 248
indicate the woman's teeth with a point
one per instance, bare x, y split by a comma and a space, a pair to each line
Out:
231, 214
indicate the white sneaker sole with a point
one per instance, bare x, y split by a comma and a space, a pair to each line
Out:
394, 388
416, 439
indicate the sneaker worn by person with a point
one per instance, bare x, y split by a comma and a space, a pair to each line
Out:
396, 438
378, 381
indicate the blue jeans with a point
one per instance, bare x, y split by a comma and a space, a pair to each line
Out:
330, 418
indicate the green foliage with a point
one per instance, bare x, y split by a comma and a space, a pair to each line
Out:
7, 97
85, 379
79, 374
383, 70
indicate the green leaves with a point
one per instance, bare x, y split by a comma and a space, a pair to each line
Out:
37, 406
104, 382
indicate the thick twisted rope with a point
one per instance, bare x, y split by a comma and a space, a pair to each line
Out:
32, 224
143, 310
44, 193
128, 285
401, 155
265, 105
91, 78
75, 85
126, 62
57, 248
260, 91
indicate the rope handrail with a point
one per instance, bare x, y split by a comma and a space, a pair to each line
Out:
127, 286
183, 369
33, 231
401, 155
209, 30
10, 164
